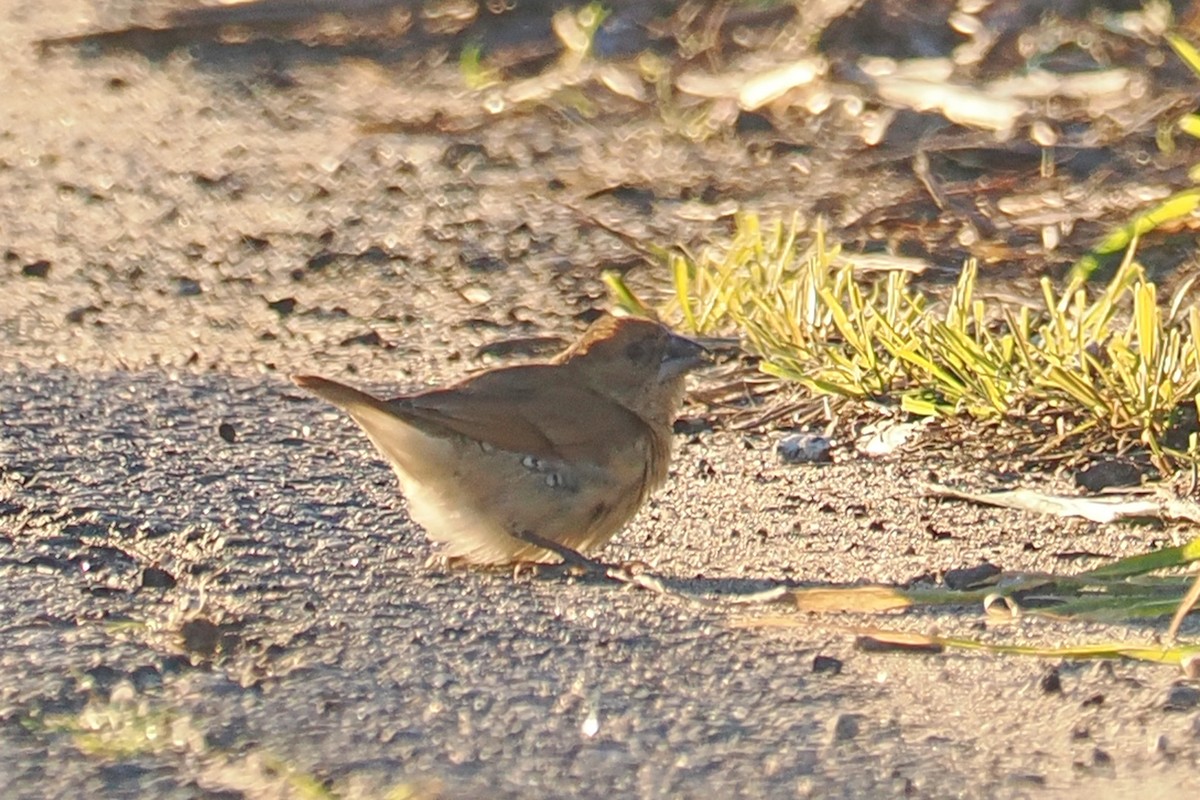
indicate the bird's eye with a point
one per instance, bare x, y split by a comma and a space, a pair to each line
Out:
636, 351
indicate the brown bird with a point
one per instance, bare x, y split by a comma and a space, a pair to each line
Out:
516, 463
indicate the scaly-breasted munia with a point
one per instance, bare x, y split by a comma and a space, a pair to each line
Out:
561, 452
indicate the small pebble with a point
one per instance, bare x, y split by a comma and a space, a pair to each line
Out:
969, 577
188, 287
845, 727
827, 664
1182, 697
36, 269
155, 578
804, 448
200, 636
282, 306
1051, 682
1109, 473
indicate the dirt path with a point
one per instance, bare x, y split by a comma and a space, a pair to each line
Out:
189, 546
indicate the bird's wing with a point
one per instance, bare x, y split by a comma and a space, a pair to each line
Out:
527, 409
532, 409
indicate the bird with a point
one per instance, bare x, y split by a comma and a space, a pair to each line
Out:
523, 463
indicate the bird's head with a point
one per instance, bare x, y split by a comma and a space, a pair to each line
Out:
636, 362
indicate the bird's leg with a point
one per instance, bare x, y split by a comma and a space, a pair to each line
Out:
437, 561
632, 574
443, 563
570, 556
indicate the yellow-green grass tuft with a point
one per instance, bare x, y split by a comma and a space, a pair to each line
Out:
1107, 360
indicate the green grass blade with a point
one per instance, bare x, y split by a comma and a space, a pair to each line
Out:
1166, 558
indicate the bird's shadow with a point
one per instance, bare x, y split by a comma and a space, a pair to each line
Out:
967, 603
741, 592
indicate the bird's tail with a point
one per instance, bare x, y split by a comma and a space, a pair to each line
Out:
344, 397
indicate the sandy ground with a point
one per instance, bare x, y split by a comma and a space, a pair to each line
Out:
199, 557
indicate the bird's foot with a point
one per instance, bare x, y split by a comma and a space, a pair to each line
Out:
573, 561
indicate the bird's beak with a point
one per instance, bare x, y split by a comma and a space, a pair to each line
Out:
682, 355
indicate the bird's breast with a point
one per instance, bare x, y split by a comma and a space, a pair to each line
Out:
475, 496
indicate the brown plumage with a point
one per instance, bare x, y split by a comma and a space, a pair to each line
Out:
565, 450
